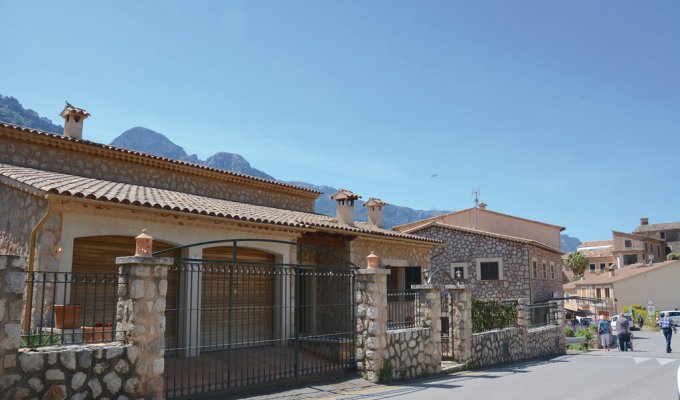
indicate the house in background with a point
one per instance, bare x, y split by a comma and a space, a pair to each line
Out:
496, 265
668, 232
607, 294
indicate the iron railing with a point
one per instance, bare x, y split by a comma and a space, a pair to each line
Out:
233, 325
402, 309
542, 314
446, 324
70, 308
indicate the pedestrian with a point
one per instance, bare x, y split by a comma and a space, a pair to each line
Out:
641, 321
574, 322
623, 331
668, 328
603, 329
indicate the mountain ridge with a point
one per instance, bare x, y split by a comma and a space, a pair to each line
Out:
149, 141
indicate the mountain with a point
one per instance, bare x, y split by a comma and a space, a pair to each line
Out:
568, 243
13, 112
149, 141
152, 142
393, 215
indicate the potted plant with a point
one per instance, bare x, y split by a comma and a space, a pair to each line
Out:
67, 316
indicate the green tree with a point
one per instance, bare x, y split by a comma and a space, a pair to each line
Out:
577, 262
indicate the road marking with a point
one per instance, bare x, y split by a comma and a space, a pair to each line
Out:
639, 360
664, 361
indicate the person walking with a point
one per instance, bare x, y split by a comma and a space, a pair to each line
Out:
641, 321
603, 329
623, 331
668, 328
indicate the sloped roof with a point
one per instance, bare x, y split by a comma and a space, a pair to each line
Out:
39, 181
70, 109
636, 236
657, 227
623, 273
482, 233
596, 243
137, 156
410, 225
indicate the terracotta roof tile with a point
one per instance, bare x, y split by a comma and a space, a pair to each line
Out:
623, 273
657, 227
115, 192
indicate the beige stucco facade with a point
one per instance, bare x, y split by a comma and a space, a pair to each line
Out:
491, 221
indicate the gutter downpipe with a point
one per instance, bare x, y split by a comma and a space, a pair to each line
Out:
31, 263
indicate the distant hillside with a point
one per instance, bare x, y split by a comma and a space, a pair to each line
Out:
13, 112
568, 243
152, 142
149, 141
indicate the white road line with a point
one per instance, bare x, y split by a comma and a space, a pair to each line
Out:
664, 361
639, 360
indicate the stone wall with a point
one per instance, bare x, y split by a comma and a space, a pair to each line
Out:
543, 288
516, 344
114, 166
466, 247
412, 353
19, 213
12, 273
413, 254
77, 372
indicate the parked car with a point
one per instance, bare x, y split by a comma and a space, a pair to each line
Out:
674, 315
585, 321
629, 317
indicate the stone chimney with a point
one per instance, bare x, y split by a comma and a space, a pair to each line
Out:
644, 221
482, 206
375, 211
73, 121
344, 209
612, 272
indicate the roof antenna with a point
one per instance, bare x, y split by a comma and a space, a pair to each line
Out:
475, 196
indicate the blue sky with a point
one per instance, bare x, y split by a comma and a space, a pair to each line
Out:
564, 112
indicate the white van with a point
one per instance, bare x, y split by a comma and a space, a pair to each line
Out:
674, 315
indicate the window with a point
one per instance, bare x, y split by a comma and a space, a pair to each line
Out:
489, 269
459, 267
534, 268
606, 293
545, 271
413, 276
592, 267
663, 235
552, 271
598, 293
602, 267
628, 243
630, 259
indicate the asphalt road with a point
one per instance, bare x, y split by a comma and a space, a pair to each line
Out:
648, 373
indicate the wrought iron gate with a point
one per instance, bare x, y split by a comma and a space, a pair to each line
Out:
447, 324
235, 324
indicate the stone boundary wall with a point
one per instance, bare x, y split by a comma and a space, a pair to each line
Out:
512, 345
11, 308
411, 353
77, 372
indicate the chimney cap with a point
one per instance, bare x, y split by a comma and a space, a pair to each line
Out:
69, 109
344, 194
644, 221
482, 206
373, 201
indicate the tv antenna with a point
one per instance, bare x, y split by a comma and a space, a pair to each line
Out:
475, 196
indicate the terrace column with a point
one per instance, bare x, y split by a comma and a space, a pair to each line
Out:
141, 319
429, 312
371, 320
12, 282
461, 325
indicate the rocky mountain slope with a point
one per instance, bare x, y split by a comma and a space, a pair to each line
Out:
149, 141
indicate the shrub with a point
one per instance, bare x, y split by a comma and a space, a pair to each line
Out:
673, 256
488, 315
568, 332
385, 373
586, 333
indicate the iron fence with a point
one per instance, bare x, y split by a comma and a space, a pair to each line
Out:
402, 309
232, 325
542, 314
70, 308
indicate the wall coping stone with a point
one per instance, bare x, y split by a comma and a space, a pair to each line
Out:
456, 286
424, 287
373, 271
137, 260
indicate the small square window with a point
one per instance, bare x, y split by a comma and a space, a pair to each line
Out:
663, 235
628, 243
592, 267
489, 270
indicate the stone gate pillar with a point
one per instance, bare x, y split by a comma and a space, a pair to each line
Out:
430, 317
371, 320
141, 318
12, 283
461, 325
